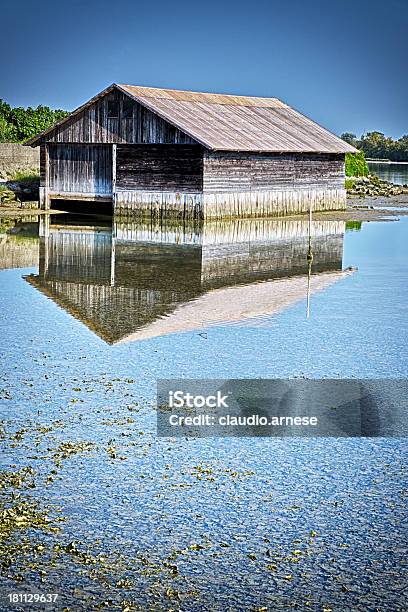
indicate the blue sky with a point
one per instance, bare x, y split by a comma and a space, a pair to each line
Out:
343, 63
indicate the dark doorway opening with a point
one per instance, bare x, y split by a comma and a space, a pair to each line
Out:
83, 207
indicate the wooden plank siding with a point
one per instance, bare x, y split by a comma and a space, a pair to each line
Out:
158, 180
43, 192
115, 118
246, 184
80, 169
226, 172
42, 165
159, 168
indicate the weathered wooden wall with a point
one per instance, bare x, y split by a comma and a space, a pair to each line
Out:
243, 184
43, 164
80, 169
159, 168
130, 205
226, 172
271, 203
158, 182
115, 118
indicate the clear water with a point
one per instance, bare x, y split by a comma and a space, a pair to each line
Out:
275, 523
394, 173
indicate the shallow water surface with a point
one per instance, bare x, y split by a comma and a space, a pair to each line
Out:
392, 172
94, 313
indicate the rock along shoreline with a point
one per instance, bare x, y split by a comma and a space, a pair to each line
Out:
373, 186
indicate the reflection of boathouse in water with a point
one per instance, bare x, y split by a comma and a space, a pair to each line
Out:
19, 244
140, 281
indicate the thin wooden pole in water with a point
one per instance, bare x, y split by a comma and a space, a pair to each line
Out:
113, 257
309, 263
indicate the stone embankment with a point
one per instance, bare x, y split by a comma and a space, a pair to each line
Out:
372, 185
17, 193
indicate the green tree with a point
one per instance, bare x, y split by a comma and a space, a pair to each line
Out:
375, 144
350, 138
8, 132
401, 149
30, 121
19, 124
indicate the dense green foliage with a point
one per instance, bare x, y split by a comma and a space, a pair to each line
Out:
378, 146
356, 164
20, 124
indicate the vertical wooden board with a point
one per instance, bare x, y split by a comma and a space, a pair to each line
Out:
80, 169
114, 162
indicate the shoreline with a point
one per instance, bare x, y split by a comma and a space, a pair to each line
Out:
369, 208
385, 161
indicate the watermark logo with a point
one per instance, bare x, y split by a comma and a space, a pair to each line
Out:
284, 408
181, 399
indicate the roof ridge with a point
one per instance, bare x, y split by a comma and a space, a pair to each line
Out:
194, 91
196, 96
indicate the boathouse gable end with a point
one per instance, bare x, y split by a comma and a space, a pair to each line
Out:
114, 118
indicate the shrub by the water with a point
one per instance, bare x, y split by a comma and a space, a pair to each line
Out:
356, 164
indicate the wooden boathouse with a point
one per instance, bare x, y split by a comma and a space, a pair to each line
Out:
166, 152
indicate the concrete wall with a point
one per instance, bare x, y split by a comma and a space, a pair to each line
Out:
17, 158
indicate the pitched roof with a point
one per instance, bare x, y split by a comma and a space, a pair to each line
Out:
232, 123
